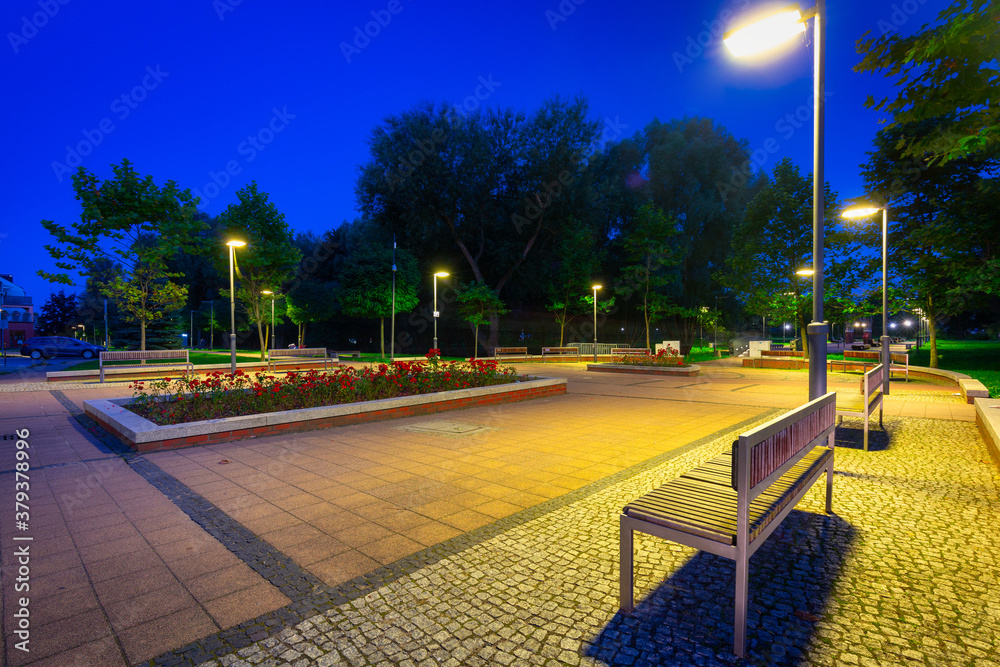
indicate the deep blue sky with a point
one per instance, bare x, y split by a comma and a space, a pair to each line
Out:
225, 68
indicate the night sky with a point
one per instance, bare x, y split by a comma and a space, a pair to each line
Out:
288, 93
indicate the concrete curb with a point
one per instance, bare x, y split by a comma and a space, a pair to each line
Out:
677, 371
141, 434
988, 421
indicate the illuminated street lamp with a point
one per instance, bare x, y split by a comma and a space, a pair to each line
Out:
595, 288
439, 274
864, 211
267, 291
233, 245
753, 39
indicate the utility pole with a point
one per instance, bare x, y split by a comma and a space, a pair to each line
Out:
392, 317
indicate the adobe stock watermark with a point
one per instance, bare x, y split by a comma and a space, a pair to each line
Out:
223, 7
424, 148
31, 25
786, 126
363, 36
562, 12
249, 149
901, 13
696, 45
554, 189
122, 107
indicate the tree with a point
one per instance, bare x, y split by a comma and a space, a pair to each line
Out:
476, 303
269, 259
310, 301
577, 264
774, 241
57, 313
366, 283
947, 72
942, 221
648, 250
488, 182
137, 226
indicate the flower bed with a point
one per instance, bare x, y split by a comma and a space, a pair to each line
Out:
222, 395
667, 356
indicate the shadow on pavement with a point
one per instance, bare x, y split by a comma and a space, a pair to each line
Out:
853, 436
688, 619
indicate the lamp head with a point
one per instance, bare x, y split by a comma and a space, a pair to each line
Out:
804, 272
862, 211
266, 291
236, 243
441, 274
765, 33
597, 287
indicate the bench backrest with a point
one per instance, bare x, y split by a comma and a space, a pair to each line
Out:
145, 355
510, 350
622, 351
297, 352
862, 354
560, 350
764, 454
781, 353
900, 358
871, 383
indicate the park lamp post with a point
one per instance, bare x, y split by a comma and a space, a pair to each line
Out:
211, 324
755, 38
595, 288
806, 273
439, 274
267, 291
233, 245
864, 211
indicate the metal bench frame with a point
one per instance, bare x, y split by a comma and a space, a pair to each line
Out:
147, 355
514, 352
298, 356
814, 420
562, 352
871, 396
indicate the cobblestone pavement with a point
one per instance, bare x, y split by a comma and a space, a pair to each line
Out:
904, 572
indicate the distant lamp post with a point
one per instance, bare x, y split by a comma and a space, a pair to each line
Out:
865, 211
753, 39
267, 291
439, 274
233, 245
211, 325
595, 288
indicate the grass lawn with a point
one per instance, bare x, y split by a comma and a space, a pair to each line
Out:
197, 358
977, 358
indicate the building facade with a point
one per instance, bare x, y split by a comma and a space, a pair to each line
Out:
17, 314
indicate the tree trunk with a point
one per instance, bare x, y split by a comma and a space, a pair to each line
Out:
263, 343
381, 336
302, 335
932, 332
142, 335
562, 329
475, 342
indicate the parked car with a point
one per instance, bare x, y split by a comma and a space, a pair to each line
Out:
59, 346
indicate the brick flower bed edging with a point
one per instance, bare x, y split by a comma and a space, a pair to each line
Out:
142, 435
678, 371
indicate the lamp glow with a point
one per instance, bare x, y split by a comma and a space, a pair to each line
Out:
804, 272
860, 212
441, 274
766, 33
236, 243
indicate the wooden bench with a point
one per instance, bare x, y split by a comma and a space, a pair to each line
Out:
352, 354
863, 404
898, 360
562, 352
781, 353
500, 353
165, 358
730, 505
290, 355
622, 352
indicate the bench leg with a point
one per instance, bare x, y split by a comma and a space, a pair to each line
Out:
740, 621
625, 599
880, 416
829, 479
866, 432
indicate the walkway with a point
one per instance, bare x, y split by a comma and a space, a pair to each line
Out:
379, 543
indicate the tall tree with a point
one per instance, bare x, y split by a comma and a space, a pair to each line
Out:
576, 263
476, 303
489, 182
269, 259
58, 312
943, 223
311, 301
946, 72
137, 226
774, 241
366, 283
